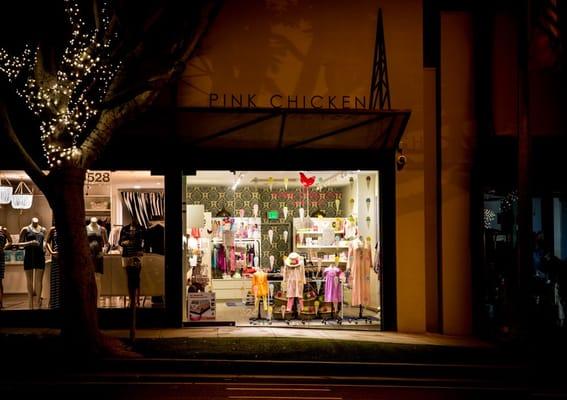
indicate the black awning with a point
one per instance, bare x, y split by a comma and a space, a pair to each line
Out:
286, 129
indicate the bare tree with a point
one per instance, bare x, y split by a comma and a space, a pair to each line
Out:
79, 95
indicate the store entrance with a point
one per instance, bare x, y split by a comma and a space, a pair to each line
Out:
282, 248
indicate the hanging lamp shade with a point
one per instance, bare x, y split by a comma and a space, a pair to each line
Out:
22, 197
6, 191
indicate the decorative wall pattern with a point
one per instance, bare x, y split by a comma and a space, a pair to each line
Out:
215, 198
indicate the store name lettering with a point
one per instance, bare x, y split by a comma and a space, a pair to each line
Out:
299, 195
233, 100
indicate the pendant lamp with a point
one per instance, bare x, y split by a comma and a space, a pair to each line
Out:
22, 197
6, 191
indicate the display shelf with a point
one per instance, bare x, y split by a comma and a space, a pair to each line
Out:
215, 240
321, 247
328, 261
315, 232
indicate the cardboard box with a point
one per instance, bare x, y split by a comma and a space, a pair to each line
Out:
201, 306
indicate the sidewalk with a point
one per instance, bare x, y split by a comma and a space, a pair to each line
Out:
291, 344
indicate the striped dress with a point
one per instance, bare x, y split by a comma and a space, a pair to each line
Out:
3, 241
56, 285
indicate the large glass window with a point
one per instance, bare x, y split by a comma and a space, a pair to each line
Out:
29, 272
282, 248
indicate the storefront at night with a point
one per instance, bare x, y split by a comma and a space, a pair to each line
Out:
273, 189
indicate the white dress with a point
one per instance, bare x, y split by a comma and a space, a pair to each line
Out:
294, 279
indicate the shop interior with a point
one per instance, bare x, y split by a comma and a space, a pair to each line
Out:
30, 275
282, 248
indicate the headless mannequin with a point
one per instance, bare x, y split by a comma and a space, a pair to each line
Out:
260, 288
31, 238
98, 232
5, 242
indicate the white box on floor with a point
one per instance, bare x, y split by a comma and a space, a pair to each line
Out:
201, 306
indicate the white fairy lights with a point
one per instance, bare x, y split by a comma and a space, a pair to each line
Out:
68, 102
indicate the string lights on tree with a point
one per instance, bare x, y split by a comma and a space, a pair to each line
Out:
68, 101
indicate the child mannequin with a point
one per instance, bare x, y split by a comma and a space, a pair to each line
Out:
260, 288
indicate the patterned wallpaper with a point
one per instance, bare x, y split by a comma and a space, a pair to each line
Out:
216, 197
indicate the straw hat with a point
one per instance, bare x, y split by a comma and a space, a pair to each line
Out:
293, 260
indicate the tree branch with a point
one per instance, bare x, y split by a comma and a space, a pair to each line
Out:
107, 124
32, 169
158, 82
155, 83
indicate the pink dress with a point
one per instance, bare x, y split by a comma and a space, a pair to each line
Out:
332, 284
294, 278
360, 264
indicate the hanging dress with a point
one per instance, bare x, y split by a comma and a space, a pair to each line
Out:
3, 241
360, 264
96, 244
56, 277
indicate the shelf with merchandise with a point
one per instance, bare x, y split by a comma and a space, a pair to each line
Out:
323, 247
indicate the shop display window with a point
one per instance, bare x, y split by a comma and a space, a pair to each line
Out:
31, 278
283, 248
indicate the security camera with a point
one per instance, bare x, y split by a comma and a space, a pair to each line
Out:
401, 161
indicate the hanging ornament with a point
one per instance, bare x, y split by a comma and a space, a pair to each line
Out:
285, 234
351, 181
285, 211
285, 182
368, 219
368, 201
255, 210
351, 203
368, 180
306, 181
271, 236
272, 260
270, 182
337, 205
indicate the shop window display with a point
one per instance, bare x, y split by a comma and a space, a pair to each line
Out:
291, 248
31, 277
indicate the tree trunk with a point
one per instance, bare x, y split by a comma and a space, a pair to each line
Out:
80, 328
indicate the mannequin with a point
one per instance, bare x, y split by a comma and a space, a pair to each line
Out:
260, 288
131, 241
56, 281
98, 242
5, 242
294, 279
332, 286
32, 239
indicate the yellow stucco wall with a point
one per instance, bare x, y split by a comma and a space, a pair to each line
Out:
458, 141
326, 48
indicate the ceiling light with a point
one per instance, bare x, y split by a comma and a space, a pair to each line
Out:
137, 187
237, 182
6, 191
22, 197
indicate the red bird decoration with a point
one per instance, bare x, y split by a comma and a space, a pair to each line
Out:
305, 181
